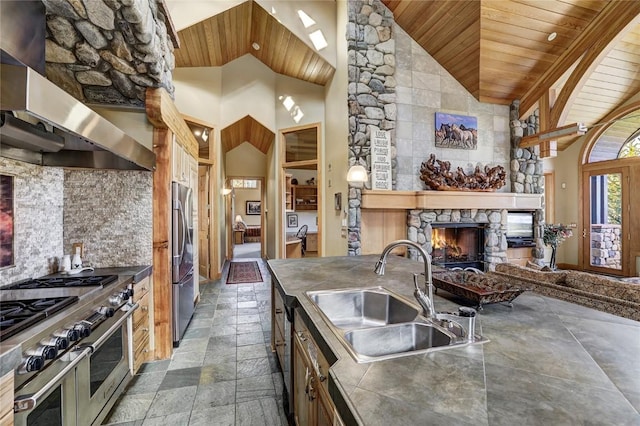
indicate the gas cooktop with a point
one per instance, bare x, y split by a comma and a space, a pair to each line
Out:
16, 316
58, 282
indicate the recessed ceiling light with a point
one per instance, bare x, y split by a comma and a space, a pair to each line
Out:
552, 36
197, 132
255, 46
306, 19
318, 40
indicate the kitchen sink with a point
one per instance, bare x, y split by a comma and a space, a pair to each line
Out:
372, 307
396, 339
376, 324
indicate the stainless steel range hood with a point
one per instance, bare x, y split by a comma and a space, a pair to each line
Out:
90, 140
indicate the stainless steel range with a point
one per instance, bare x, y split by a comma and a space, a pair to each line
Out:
75, 346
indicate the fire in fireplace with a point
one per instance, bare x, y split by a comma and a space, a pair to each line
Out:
458, 245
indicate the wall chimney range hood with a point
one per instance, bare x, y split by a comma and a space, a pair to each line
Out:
80, 138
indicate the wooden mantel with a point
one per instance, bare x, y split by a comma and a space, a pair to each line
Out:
408, 200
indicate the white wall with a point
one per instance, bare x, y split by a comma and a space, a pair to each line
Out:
334, 164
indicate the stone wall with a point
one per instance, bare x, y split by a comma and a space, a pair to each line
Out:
495, 240
108, 51
371, 97
38, 224
606, 246
111, 212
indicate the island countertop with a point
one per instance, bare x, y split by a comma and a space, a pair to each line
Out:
547, 361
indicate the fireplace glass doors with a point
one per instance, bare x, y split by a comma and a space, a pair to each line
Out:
458, 245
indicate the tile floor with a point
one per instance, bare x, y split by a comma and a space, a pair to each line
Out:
223, 373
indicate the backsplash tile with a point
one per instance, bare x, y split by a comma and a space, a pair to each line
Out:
111, 213
38, 222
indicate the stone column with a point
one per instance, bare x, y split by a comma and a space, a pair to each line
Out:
371, 97
527, 175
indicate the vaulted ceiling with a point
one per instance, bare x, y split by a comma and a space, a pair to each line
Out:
499, 51
249, 29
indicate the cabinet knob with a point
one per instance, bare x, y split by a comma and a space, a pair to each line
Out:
145, 308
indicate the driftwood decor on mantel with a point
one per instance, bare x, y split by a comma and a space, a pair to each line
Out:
437, 175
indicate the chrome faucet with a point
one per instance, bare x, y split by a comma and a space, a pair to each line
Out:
425, 300
462, 323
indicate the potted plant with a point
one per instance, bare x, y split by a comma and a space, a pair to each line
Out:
553, 235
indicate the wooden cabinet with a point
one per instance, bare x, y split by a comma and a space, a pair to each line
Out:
312, 241
305, 197
141, 323
6, 399
519, 255
277, 326
288, 193
312, 403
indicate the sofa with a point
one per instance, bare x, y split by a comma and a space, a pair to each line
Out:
608, 294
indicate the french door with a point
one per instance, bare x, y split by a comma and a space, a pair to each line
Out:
605, 219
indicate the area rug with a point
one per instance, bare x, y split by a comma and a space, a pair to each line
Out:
244, 272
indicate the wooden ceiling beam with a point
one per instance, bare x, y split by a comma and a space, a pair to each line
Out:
590, 61
614, 17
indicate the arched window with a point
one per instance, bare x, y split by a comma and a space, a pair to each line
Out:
631, 148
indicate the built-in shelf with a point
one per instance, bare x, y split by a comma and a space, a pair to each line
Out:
406, 200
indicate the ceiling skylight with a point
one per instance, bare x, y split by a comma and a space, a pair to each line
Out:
318, 40
306, 19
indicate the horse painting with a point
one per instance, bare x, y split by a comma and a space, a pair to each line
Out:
456, 131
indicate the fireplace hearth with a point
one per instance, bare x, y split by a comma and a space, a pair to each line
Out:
458, 245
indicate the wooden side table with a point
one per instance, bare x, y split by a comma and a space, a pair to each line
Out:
238, 236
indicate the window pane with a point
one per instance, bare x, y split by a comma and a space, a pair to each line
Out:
606, 221
301, 145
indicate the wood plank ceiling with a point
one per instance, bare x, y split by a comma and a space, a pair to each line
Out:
247, 129
222, 38
499, 51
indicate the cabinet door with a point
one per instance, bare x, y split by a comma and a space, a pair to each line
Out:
302, 375
177, 157
324, 408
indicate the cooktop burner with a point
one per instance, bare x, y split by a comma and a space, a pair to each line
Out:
16, 316
63, 282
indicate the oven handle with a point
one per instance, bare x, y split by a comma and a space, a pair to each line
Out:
95, 345
28, 402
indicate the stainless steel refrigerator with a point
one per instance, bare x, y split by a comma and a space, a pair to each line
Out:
182, 259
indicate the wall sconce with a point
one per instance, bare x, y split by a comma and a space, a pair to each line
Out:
226, 191
357, 173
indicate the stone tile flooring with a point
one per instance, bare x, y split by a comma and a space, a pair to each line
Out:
223, 373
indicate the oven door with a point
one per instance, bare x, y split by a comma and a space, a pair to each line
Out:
107, 373
50, 398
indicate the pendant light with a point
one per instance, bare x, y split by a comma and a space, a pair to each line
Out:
357, 173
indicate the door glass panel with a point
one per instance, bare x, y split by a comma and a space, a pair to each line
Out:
49, 411
106, 359
606, 221
301, 145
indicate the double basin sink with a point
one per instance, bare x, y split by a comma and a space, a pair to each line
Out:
375, 324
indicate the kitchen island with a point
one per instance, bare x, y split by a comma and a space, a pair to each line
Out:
547, 361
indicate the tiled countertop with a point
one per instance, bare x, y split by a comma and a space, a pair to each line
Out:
547, 362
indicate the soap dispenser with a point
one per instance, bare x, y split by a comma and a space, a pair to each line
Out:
76, 262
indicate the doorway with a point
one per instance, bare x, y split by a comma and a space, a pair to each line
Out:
300, 225
246, 212
605, 219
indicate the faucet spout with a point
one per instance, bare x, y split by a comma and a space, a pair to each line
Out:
425, 300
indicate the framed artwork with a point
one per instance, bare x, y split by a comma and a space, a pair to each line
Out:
292, 221
6, 221
253, 207
456, 131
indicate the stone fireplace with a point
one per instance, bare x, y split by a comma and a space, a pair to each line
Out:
461, 237
457, 245
413, 215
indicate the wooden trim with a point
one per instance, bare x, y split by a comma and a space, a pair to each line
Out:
606, 42
613, 17
163, 113
162, 292
404, 200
